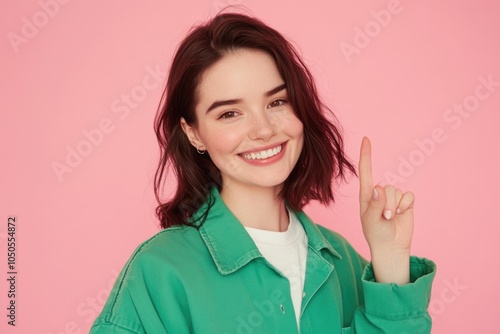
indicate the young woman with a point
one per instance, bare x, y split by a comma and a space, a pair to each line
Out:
242, 126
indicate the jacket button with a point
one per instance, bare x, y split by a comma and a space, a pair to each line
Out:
282, 308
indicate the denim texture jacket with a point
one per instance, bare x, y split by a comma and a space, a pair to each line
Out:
214, 280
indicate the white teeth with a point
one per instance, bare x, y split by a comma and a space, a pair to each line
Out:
263, 154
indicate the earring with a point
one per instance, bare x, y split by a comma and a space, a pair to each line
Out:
200, 151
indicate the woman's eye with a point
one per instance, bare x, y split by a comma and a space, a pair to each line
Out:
278, 103
228, 114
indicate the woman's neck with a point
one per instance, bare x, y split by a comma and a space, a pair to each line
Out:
256, 207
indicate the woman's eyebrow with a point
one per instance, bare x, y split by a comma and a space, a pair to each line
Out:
275, 90
219, 103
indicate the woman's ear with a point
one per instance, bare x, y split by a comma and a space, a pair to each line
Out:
192, 135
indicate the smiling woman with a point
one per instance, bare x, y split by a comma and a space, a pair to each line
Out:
243, 128
241, 134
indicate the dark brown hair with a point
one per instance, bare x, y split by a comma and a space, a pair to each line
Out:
322, 159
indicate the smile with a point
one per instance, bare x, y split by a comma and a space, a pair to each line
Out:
264, 154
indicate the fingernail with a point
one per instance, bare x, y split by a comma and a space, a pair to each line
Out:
387, 214
375, 194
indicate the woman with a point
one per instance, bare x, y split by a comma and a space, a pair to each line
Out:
243, 127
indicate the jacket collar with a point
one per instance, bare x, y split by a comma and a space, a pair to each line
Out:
230, 245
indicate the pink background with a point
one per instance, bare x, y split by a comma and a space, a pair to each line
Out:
68, 74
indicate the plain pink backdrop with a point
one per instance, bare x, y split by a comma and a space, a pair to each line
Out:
67, 69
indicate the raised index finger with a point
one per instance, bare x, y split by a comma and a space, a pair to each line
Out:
365, 172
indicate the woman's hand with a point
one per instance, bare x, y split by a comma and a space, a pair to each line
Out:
387, 221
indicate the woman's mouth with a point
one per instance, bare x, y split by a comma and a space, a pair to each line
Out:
264, 154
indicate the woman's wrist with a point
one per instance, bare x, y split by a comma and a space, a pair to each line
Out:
391, 266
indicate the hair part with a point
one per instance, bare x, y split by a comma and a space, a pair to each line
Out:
322, 160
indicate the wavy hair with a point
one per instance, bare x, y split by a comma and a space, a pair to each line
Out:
322, 161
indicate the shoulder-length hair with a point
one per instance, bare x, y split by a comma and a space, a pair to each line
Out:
322, 159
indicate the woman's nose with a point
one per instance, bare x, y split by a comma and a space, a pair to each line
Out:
262, 126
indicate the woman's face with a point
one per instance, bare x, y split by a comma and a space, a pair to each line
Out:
245, 122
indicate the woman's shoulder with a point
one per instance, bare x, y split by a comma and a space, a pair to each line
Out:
167, 256
167, 246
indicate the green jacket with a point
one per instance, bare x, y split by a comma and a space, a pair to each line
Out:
214, 280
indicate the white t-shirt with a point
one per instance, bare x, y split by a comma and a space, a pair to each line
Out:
287, 252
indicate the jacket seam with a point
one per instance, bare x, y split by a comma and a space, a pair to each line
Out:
109, 323
129, 263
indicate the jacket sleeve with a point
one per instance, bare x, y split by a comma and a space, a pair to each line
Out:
391, 308
130, 307
120, 314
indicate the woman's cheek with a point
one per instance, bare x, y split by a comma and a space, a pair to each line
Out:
224, 141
